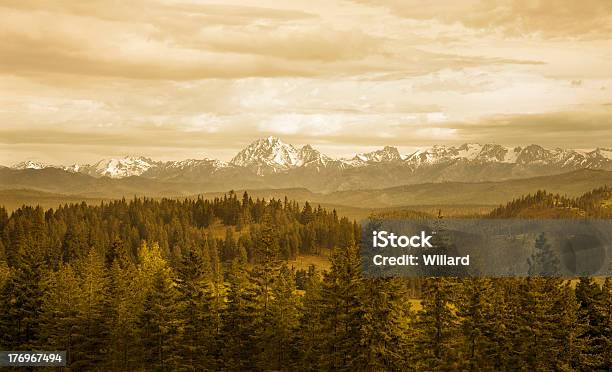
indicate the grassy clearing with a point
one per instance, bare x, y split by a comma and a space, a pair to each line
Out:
302, 262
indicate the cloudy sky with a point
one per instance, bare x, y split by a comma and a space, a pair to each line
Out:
82, 80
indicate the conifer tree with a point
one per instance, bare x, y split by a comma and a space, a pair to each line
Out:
310, 330
607, 315
159, 327
20, 302
91, 337
385, 327
591, 299
280, 324
120, 309
242, 320
569, 345
196, 306
436, 327
342, 311
543, 261
537, 322
60, 311
476, 322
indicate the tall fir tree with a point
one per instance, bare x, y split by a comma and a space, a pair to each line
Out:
342, 311
386, 325
242, 321
196, 308
59, 320
310, 334
159, 326
91, 339
436, 327
280, 324
21, 300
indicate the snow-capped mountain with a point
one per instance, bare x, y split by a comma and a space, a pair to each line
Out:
524, 156
309, 157
116, 168
30, 164
190, 169
385, 155
270, 162
271, 155
195, 163
267, 155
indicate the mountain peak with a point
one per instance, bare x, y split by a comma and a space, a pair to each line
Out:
121, 167
384, 155
30, 164
267, 155
308, 156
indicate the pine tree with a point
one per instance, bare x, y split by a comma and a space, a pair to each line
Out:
159, 327
242, 320
569, 345
310, 333
196, 301
385, 327
476, 321
543, 262
607, 325
280, 324
60, 306
91, 337
342, 311
537, 323
436, 327
591, 298
20, 303
120, 309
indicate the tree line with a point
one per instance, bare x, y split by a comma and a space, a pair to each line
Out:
543, 204
67, 233
160, 308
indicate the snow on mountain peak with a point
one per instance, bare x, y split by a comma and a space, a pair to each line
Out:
309, 156
268, 154
384, 155
30, 164
271, 155
466, 152
122, 167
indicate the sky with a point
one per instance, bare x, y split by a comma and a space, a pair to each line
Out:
84, 80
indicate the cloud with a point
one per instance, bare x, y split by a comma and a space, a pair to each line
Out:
183, 42
156, 41
573, 129
178, 77
588, 19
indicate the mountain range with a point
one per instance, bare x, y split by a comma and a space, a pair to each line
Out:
272, 163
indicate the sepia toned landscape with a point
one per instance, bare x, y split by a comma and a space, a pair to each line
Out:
185, 185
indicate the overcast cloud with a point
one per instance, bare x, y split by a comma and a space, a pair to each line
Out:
176, 79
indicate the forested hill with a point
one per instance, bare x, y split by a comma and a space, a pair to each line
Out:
595, 204
142, 285
71, 231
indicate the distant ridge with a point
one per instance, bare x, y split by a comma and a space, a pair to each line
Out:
443, 193
272, 163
